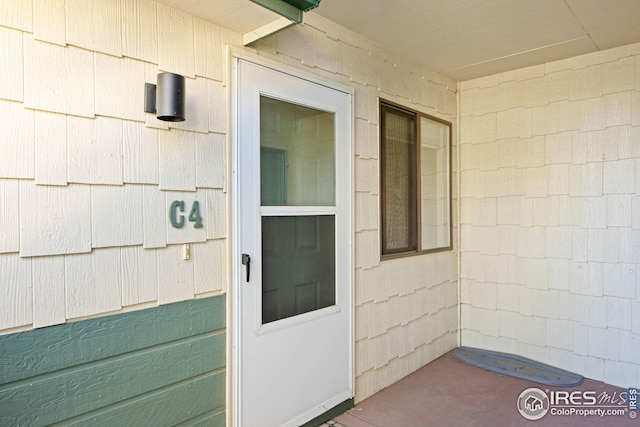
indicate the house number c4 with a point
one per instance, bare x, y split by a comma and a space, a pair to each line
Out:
176, 214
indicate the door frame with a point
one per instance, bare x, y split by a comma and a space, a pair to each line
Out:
234, 338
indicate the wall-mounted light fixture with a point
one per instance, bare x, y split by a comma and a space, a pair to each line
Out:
167, 98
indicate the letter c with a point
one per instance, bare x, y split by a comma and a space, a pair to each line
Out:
177, 221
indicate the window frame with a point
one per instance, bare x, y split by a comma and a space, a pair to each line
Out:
415, 216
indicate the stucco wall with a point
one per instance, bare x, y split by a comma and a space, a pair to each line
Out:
550, 208
86, 177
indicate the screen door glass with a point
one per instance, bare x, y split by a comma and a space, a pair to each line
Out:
297, 195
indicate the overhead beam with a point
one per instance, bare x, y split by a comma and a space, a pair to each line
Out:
266, 30
291, 12
282, 8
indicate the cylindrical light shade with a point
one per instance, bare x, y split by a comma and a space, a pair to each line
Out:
170, 97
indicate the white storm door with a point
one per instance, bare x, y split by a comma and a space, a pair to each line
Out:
293, 268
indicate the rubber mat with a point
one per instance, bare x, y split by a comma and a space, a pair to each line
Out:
516, 366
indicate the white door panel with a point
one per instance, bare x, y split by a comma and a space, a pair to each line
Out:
293, 341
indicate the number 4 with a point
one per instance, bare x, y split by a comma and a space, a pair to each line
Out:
194, 215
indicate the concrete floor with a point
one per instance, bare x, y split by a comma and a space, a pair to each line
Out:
447, 392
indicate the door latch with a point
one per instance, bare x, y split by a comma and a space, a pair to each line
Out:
246, 261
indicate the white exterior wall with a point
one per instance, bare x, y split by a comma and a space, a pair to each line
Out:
87, 178
405, 309
550, 209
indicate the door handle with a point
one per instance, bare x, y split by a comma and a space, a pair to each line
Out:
246, 261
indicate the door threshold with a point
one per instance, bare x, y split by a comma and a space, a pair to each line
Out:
339, 409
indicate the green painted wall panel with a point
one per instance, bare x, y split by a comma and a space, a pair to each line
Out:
166, 407
26, 354
109, 381
160, 366
211, 419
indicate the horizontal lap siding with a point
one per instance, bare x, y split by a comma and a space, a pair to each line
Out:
159, 366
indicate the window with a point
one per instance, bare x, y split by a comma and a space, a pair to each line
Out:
415, 181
